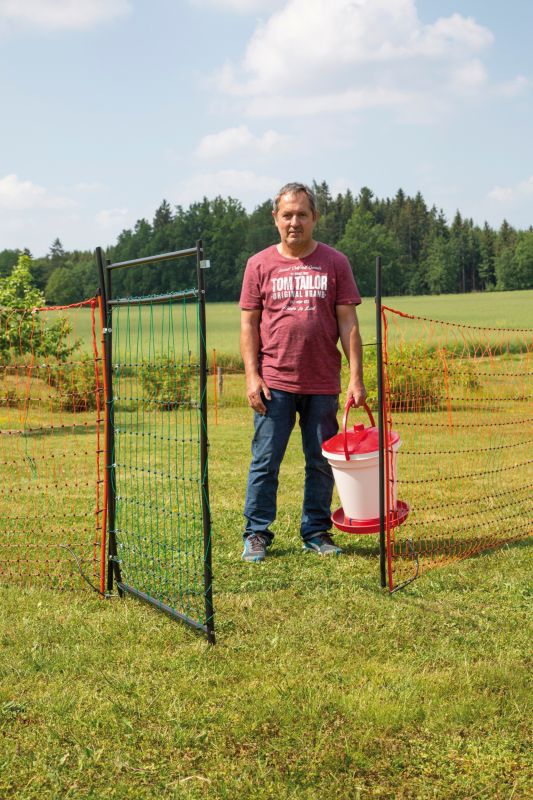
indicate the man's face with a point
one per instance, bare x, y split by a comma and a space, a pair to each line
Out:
294, 220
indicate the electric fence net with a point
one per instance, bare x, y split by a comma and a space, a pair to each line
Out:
157, 469
461, 399
51, 437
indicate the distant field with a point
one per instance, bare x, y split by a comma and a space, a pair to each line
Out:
492, 309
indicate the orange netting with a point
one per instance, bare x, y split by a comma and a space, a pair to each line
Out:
51, 446
461, 399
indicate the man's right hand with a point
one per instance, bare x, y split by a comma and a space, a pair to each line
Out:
256, 389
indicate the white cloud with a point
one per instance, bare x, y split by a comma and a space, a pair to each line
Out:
339, 186
512, 194
62, 14
469, 76
112, 218
315, 56
31, 215
501, 194
20, 195
350, 100
515, 87
240, 6
245, 185
238, 140
448, 35
89, 186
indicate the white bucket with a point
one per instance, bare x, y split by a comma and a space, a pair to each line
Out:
354, 460
357, 482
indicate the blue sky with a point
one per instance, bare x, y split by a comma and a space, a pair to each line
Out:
109, 106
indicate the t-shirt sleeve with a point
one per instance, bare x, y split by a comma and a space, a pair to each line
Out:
251, 290
347, 291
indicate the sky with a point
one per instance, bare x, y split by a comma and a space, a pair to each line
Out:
110, 106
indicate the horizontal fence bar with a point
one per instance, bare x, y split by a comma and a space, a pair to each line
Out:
161, 606
191, 251
156, 298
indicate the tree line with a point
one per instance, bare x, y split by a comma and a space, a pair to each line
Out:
422, 252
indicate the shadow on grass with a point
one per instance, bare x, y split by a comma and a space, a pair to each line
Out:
462, 549
360, 547
80, 429
352, 547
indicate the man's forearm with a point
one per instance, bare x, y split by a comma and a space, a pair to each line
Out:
356, 355
353, 349
256, 388
250, 349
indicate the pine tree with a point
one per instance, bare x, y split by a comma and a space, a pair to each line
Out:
162, 216
323, 196
523, 276
487, 249
56, 254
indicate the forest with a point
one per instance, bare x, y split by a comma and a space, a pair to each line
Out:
422, 252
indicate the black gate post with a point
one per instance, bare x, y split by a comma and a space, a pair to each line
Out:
381, 425
201, 265
104, 278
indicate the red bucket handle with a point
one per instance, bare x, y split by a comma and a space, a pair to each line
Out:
347, 407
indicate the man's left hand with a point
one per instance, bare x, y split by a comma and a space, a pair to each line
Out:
357, 391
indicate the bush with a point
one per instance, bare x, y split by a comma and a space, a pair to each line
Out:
166, 383
415, 375
228, 362
75, 385
461, 374
415, 379
9, 397
20, 330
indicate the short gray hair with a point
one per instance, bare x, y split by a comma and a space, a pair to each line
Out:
295, 188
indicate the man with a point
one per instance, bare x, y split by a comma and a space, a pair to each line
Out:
297, 299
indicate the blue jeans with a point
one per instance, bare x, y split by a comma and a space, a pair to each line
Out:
318, 422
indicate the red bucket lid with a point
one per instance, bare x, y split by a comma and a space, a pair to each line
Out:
359, 440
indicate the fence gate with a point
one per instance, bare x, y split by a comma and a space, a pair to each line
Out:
159, 524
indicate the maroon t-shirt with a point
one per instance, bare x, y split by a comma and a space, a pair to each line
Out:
298, 329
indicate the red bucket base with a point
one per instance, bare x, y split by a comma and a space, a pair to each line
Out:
349, 525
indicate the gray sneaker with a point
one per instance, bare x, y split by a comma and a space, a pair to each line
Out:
255, 548
323, 545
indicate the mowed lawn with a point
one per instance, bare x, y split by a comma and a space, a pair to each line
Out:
321, 685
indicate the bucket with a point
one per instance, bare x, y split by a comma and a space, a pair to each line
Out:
354, 459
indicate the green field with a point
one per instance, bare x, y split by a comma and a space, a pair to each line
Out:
321, 685
492, 309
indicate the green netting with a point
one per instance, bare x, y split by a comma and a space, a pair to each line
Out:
157, 455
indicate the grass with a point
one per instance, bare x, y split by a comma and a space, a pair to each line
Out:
320, 685
491, 309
